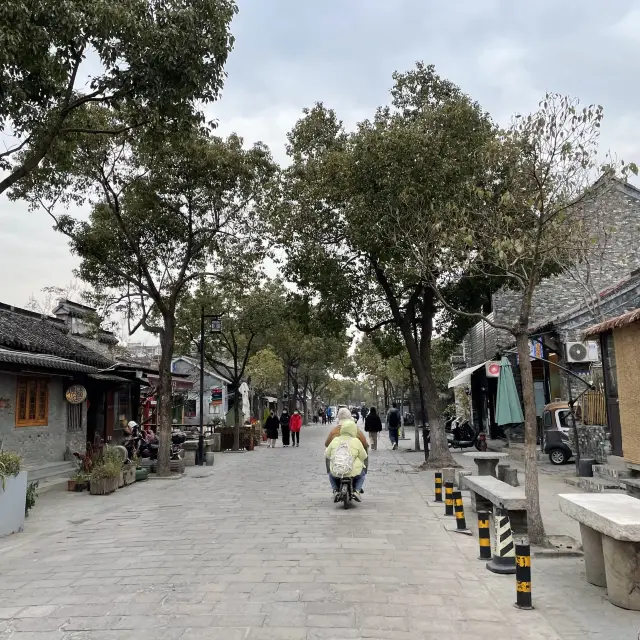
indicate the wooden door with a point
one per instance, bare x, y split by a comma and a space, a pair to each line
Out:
611, 392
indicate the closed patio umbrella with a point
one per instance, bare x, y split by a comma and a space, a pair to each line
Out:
508, 409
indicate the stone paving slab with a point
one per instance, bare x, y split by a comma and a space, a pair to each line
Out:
254, 549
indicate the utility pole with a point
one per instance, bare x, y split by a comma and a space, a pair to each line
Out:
216, 327
201, 436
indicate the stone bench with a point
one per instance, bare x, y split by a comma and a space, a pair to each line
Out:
488, 492
631, 486
610, 529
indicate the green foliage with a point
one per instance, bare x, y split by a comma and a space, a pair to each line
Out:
32, 494
149, 61
248, 312
9, 465
266, 369
106, 471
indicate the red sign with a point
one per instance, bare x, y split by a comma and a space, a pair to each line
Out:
493, 369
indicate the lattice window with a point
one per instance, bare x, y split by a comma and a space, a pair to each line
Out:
32, 405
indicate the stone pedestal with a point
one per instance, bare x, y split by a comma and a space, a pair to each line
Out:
461, 476
502, 469
190, 448
511, 477
593, 556
621, 561
215, 444
448, 475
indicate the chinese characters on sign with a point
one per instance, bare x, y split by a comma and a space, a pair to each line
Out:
76, 394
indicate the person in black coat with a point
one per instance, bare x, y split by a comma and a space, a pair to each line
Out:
284, 425
373, 426
271, 427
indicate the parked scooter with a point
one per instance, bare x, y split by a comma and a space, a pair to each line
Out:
463, 436
136, 443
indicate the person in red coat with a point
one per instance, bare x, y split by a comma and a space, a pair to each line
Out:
295, 424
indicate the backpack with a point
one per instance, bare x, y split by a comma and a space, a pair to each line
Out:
393, 420
342, 461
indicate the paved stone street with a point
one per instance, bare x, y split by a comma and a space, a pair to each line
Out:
253, 549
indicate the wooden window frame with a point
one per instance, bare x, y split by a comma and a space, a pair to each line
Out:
41, 384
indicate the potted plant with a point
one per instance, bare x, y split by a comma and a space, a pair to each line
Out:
13, 493
81, 481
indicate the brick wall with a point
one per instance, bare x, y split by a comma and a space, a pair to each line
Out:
36, 445
617, 255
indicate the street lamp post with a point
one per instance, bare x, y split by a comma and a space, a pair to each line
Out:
215, 327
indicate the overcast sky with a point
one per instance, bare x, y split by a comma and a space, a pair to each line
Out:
291, 53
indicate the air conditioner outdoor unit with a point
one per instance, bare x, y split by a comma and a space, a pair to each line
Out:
582, 351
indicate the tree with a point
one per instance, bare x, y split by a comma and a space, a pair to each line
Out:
247, 314
319, 355
75, 290
539, 212
265, 368
345, 195
166, 213
148, 61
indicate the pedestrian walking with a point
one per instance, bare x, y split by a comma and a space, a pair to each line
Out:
284, 426
295, 424
393, 425
373, 426
363, 412
271, 427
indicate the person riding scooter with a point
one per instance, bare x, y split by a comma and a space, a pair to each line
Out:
346, 457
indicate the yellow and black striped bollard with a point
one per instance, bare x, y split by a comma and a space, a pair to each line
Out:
438, 489
484, 535
461, 523
448, 498
523, 575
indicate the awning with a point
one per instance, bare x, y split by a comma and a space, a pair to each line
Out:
464, 377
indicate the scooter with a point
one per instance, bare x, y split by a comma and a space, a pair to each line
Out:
345, 493
463, 436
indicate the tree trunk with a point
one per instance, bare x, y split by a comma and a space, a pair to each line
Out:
413, 409
167, 338
535, 525
420, 354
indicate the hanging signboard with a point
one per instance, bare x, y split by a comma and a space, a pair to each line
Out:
216, 396
76, 394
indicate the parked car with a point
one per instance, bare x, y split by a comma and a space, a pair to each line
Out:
556, 426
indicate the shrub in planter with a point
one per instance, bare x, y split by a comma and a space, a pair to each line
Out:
104, 478
13, 493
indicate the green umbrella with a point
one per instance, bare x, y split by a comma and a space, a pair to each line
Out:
508, 409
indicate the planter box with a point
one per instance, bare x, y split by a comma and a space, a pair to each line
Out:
104, 486
12, 502
121, 481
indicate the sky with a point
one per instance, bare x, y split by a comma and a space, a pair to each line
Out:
290, 54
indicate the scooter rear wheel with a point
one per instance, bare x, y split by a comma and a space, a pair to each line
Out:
346, 498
